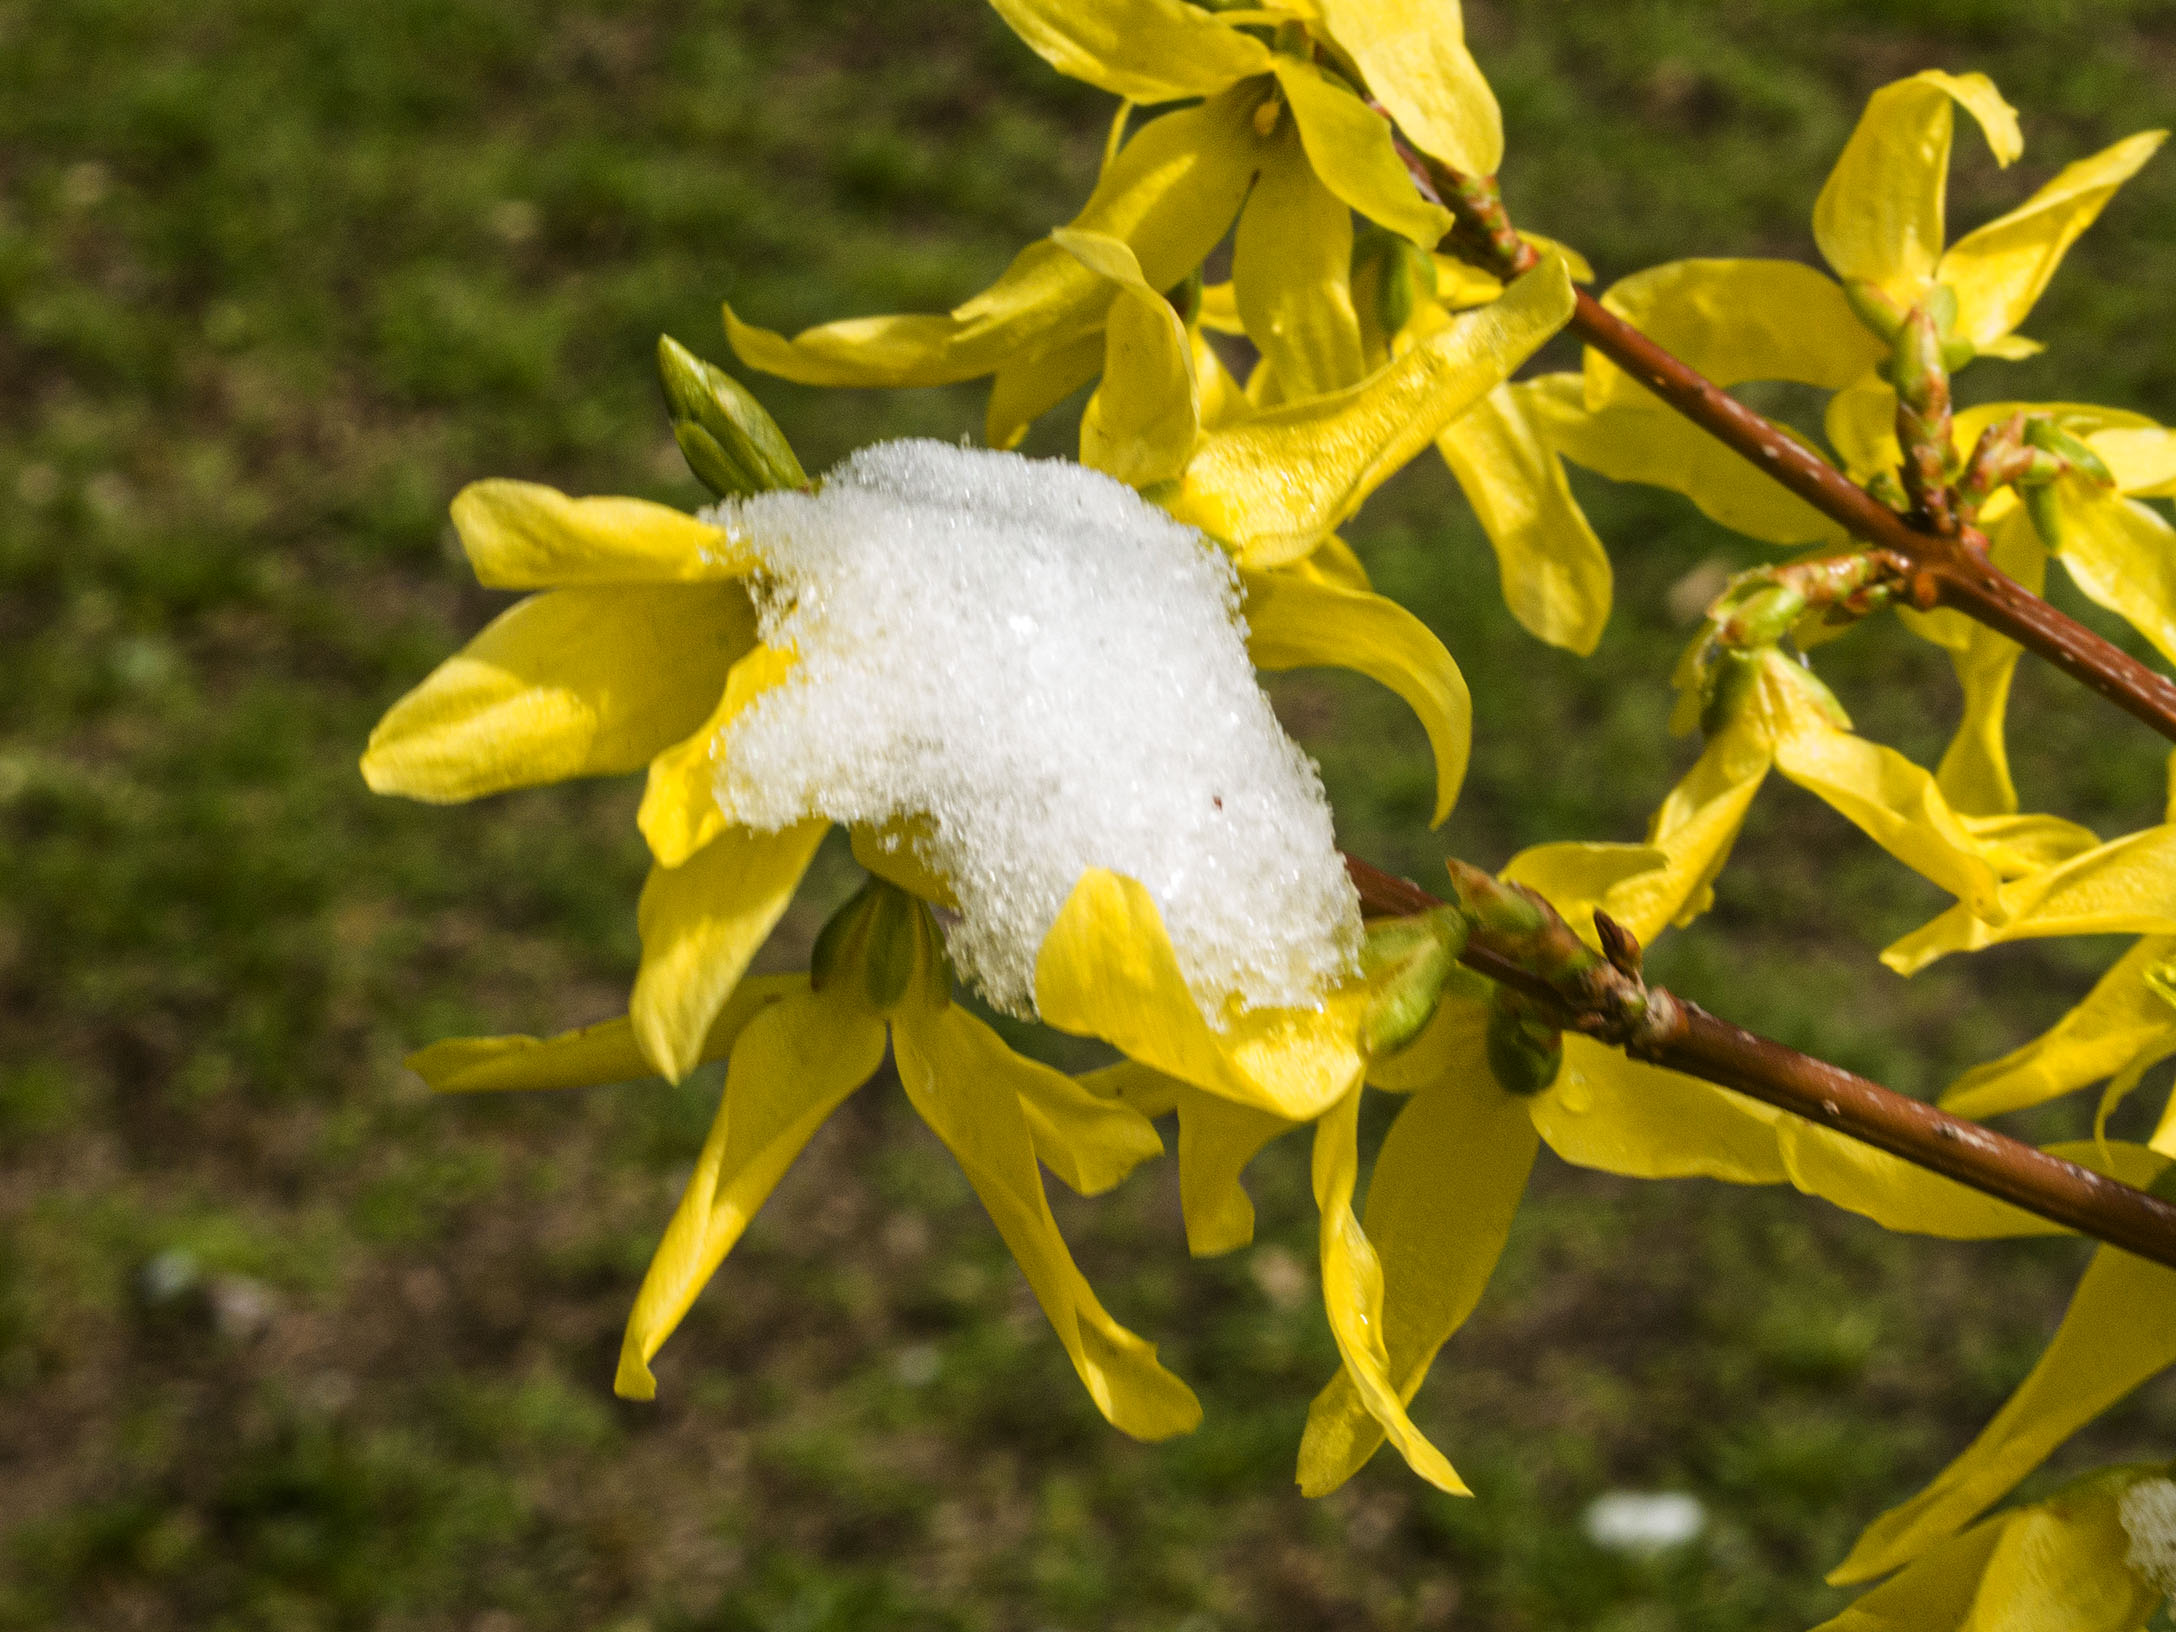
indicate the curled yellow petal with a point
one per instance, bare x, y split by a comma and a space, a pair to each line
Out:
1276, 484
680, 812
1648, 443
1141, 424
1090, 1141
522, 536
895, 852
1738, 320
1352, 1294
959, 1075
1028, 386
1440, 1204
1106, 969
1556, 574
573, 682
1695, 828
1974, 774
585, 1058
2119, 1330
1895, 803
1349, 145
701, 922
1999, 270
2123, 555
2124, 887
1880, 214
1218, 1137
1143, 50
1292, 274
2121, 1019
1169, 195
1414, 55
790, 1068
1292, 623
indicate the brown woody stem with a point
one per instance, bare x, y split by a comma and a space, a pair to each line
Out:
1653, 1025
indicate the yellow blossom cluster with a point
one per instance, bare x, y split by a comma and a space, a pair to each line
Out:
1294, 143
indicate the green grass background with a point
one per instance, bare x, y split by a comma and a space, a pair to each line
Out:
276, 277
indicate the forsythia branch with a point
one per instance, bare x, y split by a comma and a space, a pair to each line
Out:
1606, 998
1946, 569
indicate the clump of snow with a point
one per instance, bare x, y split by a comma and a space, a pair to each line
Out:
2148, 1512
1054, 674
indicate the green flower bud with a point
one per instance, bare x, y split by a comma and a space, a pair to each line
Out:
732, 445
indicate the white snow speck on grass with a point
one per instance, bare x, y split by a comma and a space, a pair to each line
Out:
1643, 1522
1054, 673
2148, 1512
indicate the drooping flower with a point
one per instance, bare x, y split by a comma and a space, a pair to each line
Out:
1283, 142
1006, 678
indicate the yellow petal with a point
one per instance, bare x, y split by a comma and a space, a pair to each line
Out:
1292, 623
1292, 274
1219, 311
1218, 1137
574, 682
1170, 195
1334, 565
680, 812
605, 1052
2124, 887
1275, 485
1413, 53
701, 922
1609, 1112
2119, 1330
790, 1068
522, 536
2142, 458
1880, 214
1143, 50
895, 852
1694, 828
1894, 1193
1106, 969
2119, 1019
1440, 1203
2018, 845
1974, 774
1027, 387
1736, 321
1349, 145
1445, 1046
960, 1076
2062, 1563
1657, 447
2000, 269
1860, 424
1090, 1141
1894, 802
1935, 1594
1576, 876
2123, 555
1141, 424
1143, 1087
1352, 1294
1556, 575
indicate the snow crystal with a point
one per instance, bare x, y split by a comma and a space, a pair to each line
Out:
2148, 1512
1053, 674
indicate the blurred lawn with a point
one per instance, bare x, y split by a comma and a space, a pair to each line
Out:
286, 1345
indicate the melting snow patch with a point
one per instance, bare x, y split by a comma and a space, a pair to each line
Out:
1644, 1522
2148, 1512
1054, 674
